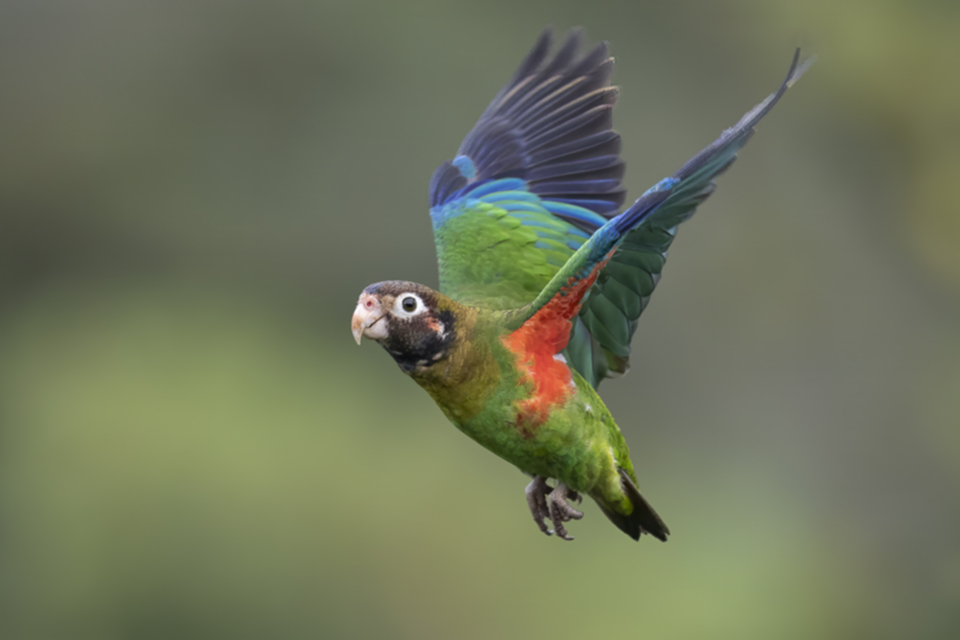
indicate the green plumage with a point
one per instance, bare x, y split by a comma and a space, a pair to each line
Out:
489, 253
541, 285
478, 387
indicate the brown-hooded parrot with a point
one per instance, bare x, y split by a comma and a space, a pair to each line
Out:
542, 282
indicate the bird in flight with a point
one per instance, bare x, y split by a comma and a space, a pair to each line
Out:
543, 280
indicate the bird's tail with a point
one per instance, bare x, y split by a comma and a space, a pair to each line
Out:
643, 519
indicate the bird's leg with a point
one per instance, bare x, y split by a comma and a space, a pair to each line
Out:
560, 511
547, 503
537, 492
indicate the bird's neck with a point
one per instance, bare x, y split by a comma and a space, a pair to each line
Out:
463, 381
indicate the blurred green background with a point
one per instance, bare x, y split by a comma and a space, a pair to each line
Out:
192, 194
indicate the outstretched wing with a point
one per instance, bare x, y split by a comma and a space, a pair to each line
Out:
534, 178
620, 264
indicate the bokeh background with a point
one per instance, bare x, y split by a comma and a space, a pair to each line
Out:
192, 194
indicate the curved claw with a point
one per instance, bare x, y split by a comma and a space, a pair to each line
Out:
537, 492
547, 503
560, 511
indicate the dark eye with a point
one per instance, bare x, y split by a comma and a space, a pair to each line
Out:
409, 304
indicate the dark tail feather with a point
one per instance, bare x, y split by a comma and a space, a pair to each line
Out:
643, 519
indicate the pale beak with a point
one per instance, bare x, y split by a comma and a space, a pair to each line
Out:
368, 319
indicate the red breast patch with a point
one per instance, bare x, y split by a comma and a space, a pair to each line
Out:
537, 341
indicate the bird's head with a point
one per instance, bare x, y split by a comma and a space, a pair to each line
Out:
414, 323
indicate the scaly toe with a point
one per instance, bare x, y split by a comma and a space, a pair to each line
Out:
558, 501
536, 493
561, 512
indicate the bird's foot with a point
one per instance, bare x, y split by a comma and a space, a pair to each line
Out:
537, 492
561, 511
547, 503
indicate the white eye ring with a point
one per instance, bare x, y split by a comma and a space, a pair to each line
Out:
403, 313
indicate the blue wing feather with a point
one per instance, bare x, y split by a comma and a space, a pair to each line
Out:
550, 127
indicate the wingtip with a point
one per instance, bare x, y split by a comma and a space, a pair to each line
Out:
577, 33
545, 37
799, 67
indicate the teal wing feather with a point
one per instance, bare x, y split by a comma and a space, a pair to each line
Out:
591, 258
634, 245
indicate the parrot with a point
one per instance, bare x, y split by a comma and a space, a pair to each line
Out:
542, 281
